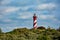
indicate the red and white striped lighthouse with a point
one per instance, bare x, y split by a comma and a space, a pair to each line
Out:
35, 21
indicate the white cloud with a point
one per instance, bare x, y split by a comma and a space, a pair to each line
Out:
46, 17
46, 6
1, 16
11, 9
49, 6
25, 8
25, 15
7, 20
51, 17
56, 20
8, 28
8, 10
3, 2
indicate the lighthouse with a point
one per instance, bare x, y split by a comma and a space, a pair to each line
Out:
34, 21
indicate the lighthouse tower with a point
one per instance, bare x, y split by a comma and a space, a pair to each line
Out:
34, 21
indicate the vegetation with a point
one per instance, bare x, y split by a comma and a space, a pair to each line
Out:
31, 34
0, 31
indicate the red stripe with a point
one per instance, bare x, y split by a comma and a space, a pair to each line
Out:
34, 18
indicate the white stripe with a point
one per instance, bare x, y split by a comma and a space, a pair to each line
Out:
35, 25
35, 21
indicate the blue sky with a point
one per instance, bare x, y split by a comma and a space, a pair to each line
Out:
19, 13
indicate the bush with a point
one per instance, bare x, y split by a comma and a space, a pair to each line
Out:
31, 34
41, 27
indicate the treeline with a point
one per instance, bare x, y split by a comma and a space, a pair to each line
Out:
40, 33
